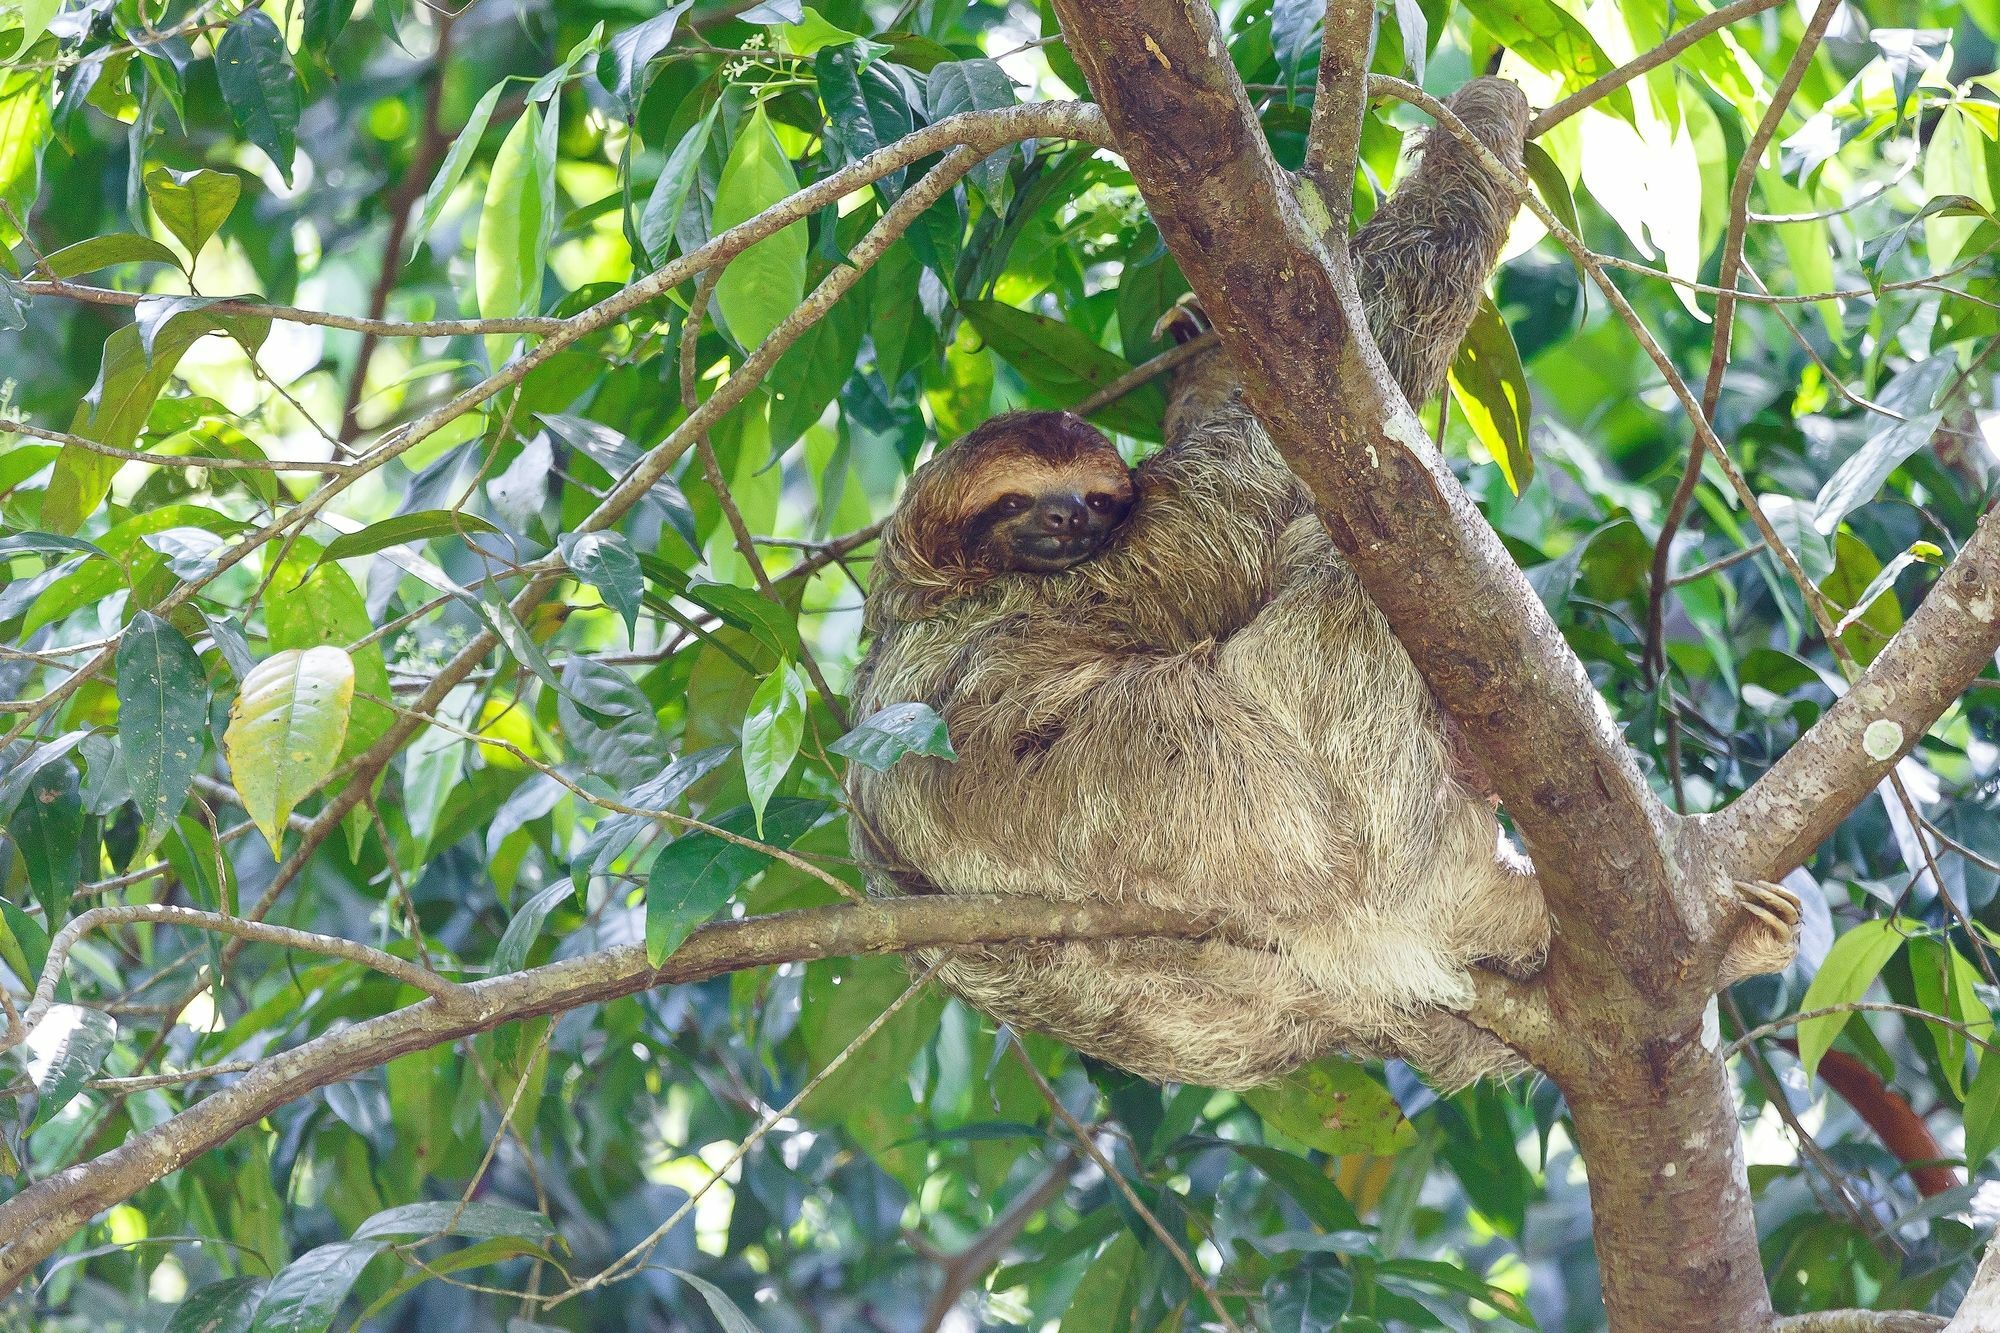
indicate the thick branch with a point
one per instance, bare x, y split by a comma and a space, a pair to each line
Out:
1952, 637
41, 1217
1454, 597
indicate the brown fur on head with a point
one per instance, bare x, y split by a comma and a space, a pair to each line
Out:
1029, 493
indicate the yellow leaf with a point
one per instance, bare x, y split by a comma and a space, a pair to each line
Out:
285, 732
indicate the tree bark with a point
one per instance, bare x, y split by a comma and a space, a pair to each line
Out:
1669, 1196
1637, 907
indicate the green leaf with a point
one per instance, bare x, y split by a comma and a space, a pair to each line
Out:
66, 1048
45, 544
1311, 1297
882, 738
1946, 984
1318, 1196
1954, 163
1550, 181
766, 282
1850, 968
1855, 590
456, 160
606, 562
285, 732
511, 954
1103, 1299
670, 193
25, 129
128, 383
696, 873
420, 526
35, 16
515, 225
452, 1218
258, 82
162, 719
1062, 364
103, 251
47, 827
634, 50
192, 205
1334, 1106
1491, 390
772, 731
1982, 1112
1552, 41
306, 1296
727, 1315
319, 604
325, 20
810, 32
227, 1306
1862, 474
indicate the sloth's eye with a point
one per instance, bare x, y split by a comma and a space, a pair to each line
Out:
1013, 504
1100, 502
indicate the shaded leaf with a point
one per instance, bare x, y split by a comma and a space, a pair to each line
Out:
162, 719
258, 82
1063, 364
47, 827
882, 738
453, 1218
698, 872
305, 1297
606, 562
670, 191
404, 528
1311, 1297
227, 1306
731, 1319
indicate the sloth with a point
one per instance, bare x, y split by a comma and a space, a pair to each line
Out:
1166, 688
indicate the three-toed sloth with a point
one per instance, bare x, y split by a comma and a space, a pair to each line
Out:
1166, 688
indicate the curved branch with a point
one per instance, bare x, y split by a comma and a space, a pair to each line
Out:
1854, 746
41, 1217
284, 314
1653, 59
159, 914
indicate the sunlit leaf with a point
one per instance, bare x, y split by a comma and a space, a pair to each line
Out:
764, 283
1333, 1105
772, 732
1850, 968
25, 129
456, 159
285, 732
192, 205
515, 225
1491, 389
65, 1049
103, 251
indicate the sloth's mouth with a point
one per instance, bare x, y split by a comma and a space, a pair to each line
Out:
1046, 554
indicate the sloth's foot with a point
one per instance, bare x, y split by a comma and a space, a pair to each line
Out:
1184, 321
1767, 936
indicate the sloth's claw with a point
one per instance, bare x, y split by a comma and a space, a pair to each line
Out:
1184, 321
1768, 939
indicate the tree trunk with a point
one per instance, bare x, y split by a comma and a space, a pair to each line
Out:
1669, 1196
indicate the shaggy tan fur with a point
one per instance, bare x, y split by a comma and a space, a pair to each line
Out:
1209, 715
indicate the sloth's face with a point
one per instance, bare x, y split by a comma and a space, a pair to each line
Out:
1043, 524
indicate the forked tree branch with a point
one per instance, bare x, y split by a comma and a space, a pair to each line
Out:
40, 1218
1289, 318
1854, 746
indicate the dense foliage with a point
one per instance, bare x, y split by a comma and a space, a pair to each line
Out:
197, 657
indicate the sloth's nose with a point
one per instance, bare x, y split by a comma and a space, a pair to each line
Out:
1062, 515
